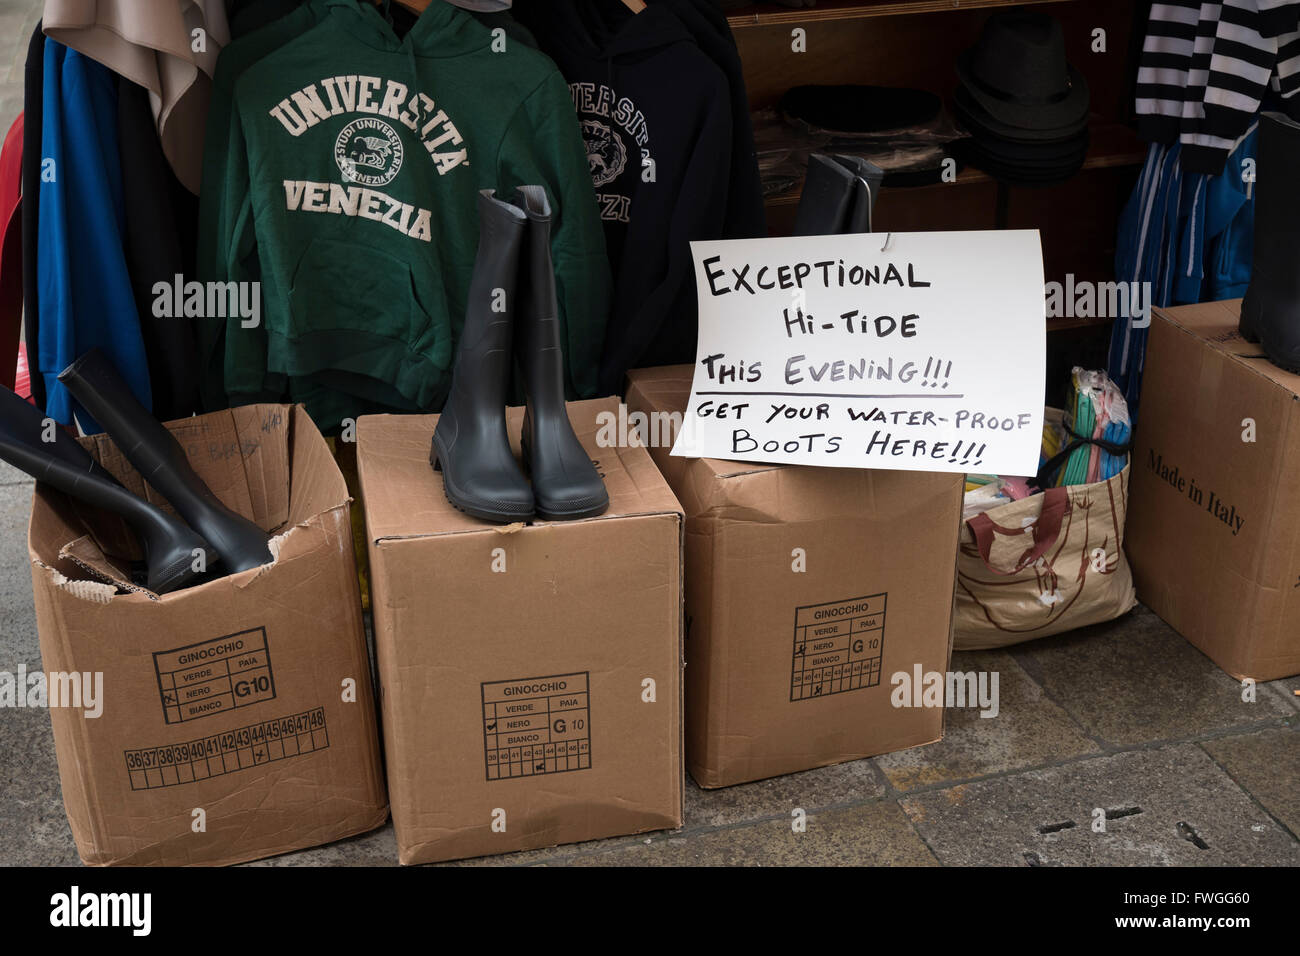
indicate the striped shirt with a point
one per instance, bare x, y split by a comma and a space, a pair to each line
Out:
1206, 69
1246, 64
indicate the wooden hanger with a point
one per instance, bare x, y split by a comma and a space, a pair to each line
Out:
636, 6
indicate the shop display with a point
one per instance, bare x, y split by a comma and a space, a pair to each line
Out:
470, 446
1270, 313
232, 541
413, 282
838, 196
530, 674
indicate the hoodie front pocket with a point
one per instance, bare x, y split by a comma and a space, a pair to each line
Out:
345, 287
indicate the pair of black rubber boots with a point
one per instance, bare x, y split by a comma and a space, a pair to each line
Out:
176, 553
1270, 312
512, 313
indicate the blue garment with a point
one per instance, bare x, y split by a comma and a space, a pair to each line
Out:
1230, 219
1188, 234
85, 292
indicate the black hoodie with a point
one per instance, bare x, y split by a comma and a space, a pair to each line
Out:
746, 215
656, 115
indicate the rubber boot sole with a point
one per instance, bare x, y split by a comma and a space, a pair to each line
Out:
465, 506
590, 511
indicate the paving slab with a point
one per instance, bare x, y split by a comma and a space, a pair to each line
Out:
1289, 688
1170, 806
1029, 730
854, 782
1267, 765
9, 475
18, 643
1136, 680
875, 834
33, 828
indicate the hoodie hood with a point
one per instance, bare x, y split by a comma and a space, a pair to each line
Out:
605, 29
440, 31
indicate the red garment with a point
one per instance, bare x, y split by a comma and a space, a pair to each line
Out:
11, 251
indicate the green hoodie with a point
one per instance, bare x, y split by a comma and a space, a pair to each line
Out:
353, 201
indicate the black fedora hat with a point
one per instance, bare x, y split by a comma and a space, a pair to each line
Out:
1017, 72
1057, 153
977, 120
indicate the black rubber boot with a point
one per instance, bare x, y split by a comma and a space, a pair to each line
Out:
470, 444
23, 423
169, 546
565, 482
160, 460
1270, 312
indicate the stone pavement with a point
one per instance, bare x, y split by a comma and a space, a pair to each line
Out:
1126, 718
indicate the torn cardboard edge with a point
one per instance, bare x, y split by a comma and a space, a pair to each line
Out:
222, 437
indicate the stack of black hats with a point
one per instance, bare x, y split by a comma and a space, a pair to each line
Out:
1025, 107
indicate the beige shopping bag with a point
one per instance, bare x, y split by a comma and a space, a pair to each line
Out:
1043, 565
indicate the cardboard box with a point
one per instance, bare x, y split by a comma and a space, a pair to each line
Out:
530, 675
778, 678
247, 698
1214, 511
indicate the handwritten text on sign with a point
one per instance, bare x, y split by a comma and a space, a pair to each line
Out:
912, 351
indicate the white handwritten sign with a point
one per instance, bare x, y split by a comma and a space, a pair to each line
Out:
915, 351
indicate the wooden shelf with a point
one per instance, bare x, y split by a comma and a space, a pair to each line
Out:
1112, 145
772, 14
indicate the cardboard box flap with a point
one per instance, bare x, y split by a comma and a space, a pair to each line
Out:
747, 491
405, 497
1217, 324
667, 389
267, 462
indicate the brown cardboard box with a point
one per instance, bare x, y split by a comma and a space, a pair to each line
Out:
530, 675
226, 698
763, 695
1214, 518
